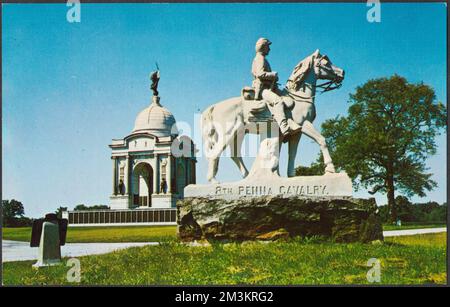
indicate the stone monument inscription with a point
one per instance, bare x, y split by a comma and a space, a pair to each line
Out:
338, 184
259, 190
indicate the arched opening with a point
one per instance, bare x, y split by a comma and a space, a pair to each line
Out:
142, 185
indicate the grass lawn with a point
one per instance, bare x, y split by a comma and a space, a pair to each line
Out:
417, 259
412, 226
136, 233
102, 234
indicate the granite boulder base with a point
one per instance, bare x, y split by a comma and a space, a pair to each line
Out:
343, 219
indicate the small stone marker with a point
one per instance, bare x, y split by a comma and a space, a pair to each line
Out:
49, 234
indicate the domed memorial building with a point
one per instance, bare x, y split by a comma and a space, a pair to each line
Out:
145, 172
150, 168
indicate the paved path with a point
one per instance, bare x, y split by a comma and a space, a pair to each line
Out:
20, 251
410, 232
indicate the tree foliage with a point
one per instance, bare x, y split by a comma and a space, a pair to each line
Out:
60, 210
315, 169
386, 137
82, 207
13, 214
427, 213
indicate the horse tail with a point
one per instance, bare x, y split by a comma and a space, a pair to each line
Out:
216, 133
209, 132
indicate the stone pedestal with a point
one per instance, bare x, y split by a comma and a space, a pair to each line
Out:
49, 247
270, 217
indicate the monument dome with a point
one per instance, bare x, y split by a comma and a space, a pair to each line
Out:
156, 120
147, 170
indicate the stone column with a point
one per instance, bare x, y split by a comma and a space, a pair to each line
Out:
114, 177
186, 171
156, 175
193, 179
127, 175
169, 173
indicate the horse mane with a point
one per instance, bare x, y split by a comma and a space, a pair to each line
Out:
300, 70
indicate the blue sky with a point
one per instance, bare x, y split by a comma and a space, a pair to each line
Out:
69, 88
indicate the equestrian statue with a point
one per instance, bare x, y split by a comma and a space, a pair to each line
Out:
292, 109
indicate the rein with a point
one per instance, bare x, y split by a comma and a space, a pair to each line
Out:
326, 87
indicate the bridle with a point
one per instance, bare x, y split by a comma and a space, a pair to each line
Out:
327, 86
331, 84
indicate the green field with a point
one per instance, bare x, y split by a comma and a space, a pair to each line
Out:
102, 234
404, 260
413, 226
136, 233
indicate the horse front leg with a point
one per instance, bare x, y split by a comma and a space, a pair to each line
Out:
309, 130
292, 149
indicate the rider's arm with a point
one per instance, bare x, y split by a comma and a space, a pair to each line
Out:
259, 72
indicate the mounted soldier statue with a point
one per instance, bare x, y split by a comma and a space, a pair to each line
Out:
265, 87
225, 123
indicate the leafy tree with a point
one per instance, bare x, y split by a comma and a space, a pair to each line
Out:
384, 214
404, 209
59, 211
315, 169
438, 214
82, 207
430, 212
13, 213
386, 137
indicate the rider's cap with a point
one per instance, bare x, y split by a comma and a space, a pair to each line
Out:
261, 42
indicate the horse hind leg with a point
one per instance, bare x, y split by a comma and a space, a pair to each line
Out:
213, 158
236, 153
211, 142
213, 166
218, 139
228, 139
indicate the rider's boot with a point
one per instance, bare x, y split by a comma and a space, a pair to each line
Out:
280, 118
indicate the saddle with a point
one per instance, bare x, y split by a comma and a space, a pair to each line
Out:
259, 110
255, 110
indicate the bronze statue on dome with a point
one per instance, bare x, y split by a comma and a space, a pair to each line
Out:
154, 77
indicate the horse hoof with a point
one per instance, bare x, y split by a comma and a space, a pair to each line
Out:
330, 169
214, 181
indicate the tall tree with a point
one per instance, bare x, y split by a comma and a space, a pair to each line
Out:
12, 210
386, 137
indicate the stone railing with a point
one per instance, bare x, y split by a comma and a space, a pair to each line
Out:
150, 216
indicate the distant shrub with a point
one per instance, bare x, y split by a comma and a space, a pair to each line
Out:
429, 212
82, 207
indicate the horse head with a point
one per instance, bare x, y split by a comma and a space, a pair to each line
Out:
315, 67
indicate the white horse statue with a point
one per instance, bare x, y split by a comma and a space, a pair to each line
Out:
225, 123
